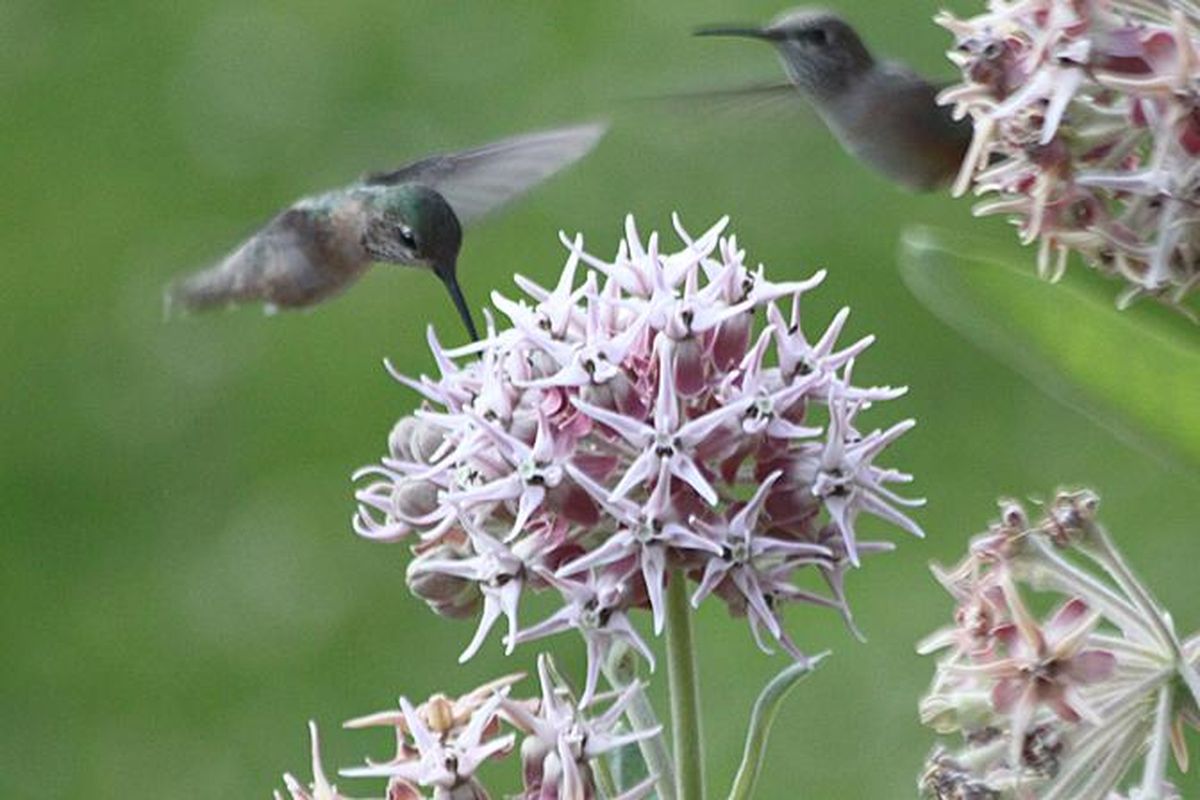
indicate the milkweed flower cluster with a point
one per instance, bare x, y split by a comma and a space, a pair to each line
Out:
628, 425
1087, 128
442, 743
1065, 706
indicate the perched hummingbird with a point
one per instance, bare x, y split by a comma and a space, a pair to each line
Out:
412, 215
881, 111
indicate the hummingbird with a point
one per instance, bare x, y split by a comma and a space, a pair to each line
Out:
881, 112
412, 215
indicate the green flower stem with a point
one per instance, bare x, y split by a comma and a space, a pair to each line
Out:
685, 692
621, 672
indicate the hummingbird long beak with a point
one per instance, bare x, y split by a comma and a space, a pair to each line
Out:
450, 278
743, 31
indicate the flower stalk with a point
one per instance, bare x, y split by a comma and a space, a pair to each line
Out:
683, 679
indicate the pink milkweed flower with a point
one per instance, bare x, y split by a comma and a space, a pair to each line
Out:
1087, 132
562, 740
745, 558
603, 437
500, 575
446, 717
597, 607
670, 442
447, 764
798, 357
1046, 665
530, 472
1061, 708
979, 618
647, 533
848, 482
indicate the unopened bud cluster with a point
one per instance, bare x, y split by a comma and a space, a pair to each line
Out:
657, 415
1062, 705
1087, 130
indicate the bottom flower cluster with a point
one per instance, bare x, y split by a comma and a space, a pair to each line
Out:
1064, 708
442, 743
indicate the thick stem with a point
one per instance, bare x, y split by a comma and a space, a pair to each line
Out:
621, 673
685, 692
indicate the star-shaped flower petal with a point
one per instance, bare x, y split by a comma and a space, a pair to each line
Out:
445, 764
598, 608
848, 481
669, 440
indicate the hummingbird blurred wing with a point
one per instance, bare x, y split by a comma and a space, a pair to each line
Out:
479, 180
752, 98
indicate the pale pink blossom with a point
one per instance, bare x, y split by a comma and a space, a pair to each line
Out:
447, 764
563, 740
1064, 707
1087, 133
604, 439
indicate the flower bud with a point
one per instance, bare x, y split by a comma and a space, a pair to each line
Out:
416, 440
448, 595
439, 713
415, 499
1069, 516
534, 753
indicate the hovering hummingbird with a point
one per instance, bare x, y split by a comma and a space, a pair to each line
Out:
412, 215
882, 112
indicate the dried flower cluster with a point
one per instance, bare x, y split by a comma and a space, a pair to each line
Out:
1087, 126
1062, 707
441, 744
629, 425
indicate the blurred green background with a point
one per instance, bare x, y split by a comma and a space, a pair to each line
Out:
179, 585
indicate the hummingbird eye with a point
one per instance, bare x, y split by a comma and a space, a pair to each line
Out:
815, 36
406, 237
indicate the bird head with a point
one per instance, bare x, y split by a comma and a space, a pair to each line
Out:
821, 52
414, 225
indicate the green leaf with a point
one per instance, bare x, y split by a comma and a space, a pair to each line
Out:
1129, 370
761, 718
